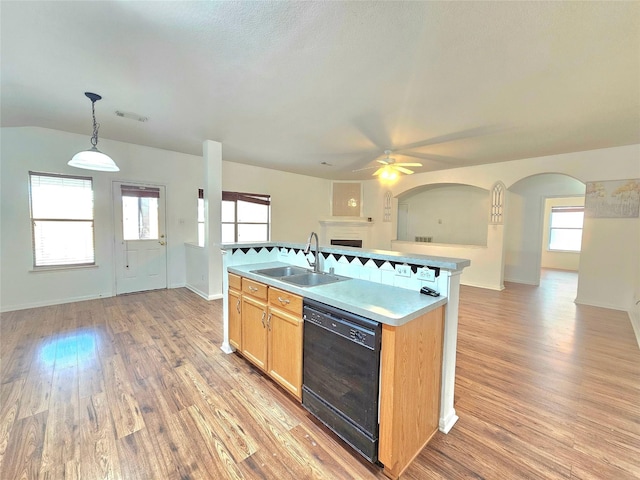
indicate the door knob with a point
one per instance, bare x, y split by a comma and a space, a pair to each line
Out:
162, 243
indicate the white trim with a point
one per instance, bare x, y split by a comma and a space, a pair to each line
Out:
486, 286
48, 303
580, 301
61, 268
446, 424
522, 281
635, 323
200, 293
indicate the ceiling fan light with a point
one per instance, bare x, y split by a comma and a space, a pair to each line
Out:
388, 173
93, 159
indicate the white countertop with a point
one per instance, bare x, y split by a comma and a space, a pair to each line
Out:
383, 303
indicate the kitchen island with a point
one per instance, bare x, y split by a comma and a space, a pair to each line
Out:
417, 370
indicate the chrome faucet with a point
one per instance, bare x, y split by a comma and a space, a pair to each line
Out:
316, 263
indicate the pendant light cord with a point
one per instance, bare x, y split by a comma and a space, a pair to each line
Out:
96, 126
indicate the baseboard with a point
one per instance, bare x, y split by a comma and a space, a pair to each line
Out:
581, 301
48, 303
523, 282
200, 293
498, 288
447, 423
635, 323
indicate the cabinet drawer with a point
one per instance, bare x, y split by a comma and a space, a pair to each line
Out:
255, 289
235, 282
285, 301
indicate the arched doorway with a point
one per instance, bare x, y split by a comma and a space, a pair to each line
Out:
529, 202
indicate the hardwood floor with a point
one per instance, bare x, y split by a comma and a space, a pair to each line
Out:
136, 386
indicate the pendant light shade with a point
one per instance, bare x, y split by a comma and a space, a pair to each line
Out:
93, 159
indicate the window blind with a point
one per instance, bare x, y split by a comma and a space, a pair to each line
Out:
62, 219
140, 191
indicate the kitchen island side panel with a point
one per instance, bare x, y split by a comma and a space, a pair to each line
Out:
411, 369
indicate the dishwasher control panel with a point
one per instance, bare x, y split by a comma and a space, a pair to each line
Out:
346, 326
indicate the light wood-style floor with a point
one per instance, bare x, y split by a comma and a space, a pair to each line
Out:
136, 387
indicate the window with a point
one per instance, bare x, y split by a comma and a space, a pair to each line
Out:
201, 217
61, 219
140, 212
245, 217
565, 229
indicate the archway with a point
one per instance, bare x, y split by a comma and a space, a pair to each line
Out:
527, 201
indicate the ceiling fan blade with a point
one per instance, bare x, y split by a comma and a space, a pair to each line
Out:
379, 171
403, 170
435, 158
383, 161
365, 168
405, 164
373, 128
450, 137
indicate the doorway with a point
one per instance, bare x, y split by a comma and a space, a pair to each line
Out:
140, 240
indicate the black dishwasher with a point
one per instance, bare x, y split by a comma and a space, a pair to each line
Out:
341, 374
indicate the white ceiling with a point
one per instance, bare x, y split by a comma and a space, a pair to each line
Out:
288, 85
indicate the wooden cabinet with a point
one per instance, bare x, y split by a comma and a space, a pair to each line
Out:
270, 327
254, 331
284, 327
235, 303
410, 380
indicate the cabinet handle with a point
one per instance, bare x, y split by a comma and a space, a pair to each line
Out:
284, 301
253, 289
264, 314
238, 306
269, 322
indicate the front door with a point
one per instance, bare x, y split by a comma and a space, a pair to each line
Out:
140, 241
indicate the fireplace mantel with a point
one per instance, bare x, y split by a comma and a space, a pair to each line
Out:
346, 221
346, 228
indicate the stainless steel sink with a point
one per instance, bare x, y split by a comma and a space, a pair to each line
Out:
312, 279
278, 272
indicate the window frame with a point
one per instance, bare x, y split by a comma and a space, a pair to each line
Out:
560, 209
33, 220
258, 198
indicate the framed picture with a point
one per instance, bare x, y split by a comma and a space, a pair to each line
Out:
613, 199
346, 199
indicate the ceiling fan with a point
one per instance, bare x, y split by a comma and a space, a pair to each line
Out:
390, 168
390, 163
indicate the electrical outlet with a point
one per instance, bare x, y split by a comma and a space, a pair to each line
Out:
403, 270
425, 273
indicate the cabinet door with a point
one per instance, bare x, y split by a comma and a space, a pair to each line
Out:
235, 324
285, 350
254, 331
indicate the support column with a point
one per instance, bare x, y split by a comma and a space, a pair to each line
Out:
448, 415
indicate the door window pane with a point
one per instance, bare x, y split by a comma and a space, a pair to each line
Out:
140, 218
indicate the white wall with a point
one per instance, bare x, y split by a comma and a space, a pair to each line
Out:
614, 286
608, 275
298, 202
45, 150
525, 222
451, 214
558, 260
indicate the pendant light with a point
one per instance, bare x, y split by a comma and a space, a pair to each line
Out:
93, 159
